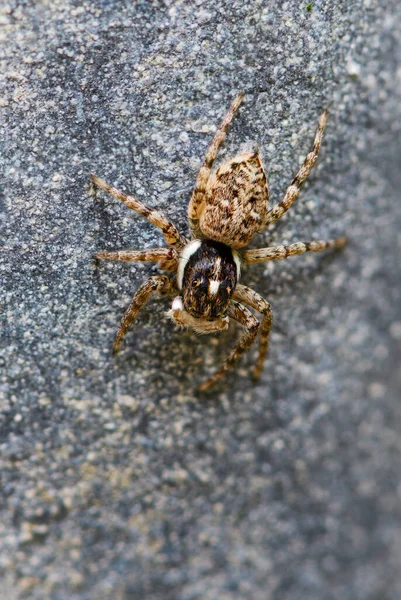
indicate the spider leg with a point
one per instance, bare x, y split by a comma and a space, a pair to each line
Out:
255, 300
278, 210
280, 252
169, 230
160, 284
195, 204
167, 257
243, 316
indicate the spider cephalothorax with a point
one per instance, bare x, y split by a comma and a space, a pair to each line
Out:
207, 275
227, 209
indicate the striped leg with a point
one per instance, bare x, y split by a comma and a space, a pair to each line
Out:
195, 204
280, 252
254, 300
160, 284
167, 257
170, 232
277, 211
243, 316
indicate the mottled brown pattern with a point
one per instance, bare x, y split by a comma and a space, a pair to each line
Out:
229, 206
195, 204
236, 201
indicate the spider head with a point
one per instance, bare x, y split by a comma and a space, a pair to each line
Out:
207, 276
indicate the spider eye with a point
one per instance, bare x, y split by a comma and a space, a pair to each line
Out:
196, 283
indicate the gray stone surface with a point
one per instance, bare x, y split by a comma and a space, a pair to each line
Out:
116, 480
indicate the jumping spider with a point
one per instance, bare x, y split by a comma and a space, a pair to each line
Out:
227, 209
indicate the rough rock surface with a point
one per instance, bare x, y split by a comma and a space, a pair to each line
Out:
116, 480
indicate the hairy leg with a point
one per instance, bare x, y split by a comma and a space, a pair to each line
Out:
254, 300
169, 230
197, 197
277, 211
243, 316
166, 257
160, 284
280, 252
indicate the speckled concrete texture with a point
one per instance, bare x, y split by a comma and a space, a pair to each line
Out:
117, 481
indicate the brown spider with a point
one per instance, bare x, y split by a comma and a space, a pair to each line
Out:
227, 209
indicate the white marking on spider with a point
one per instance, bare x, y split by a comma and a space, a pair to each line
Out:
237, 261
214, 285
177, 304
186, 254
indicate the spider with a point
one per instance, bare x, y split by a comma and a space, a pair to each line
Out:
228, 207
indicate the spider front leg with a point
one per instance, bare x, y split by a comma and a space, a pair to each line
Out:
166, 257
278, 210
195, 204
160, 284
243, 316
169, 230
281, 252
255, 300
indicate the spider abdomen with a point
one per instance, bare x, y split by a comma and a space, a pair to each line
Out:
207, 276
235, 201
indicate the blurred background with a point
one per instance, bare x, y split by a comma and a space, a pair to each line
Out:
117, 480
